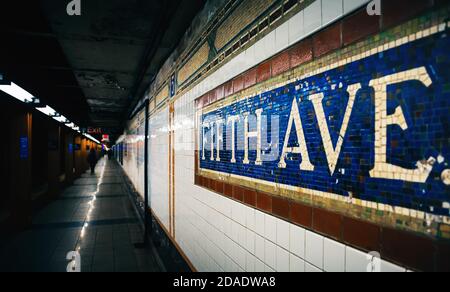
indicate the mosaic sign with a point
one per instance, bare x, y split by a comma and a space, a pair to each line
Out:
24, 153
374, 128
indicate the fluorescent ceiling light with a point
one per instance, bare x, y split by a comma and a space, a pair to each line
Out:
24, 96
17, 92
92, 138
47, 111
61, 119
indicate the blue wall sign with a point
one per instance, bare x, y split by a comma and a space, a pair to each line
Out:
172, 86
24, 148
377, 129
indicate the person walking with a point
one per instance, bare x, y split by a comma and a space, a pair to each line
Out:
92, 160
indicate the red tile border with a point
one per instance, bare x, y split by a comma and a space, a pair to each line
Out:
301, 53
359, 26
238, 84
250, 198
281, 63
363, 235
220, 92
250, 78
228, 190
408, 249
396, 12
328, 40
264, 202
263, 72
281, 207
228, 89
238, 193
327, 223
301, 214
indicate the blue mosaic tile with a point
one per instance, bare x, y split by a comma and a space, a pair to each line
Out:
426, 111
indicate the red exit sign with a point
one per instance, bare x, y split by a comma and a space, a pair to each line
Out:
94, 131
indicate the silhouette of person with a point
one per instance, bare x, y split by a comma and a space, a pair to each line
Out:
92, 160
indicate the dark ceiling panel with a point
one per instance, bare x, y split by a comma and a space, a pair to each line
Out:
92, 68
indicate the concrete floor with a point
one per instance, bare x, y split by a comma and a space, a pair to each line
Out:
95, 217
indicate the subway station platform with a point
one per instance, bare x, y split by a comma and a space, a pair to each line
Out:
232, 135
95, 216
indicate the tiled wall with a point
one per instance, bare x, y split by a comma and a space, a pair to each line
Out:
133, 161
242, 16
194, 63
217, 232
162, 95
159, 165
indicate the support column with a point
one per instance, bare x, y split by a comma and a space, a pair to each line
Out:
78, 157
84, 154
20, 162
69, 150
54, 156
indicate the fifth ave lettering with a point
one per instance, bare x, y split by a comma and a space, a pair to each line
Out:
382, 169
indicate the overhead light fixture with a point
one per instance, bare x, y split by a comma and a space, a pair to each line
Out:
17, 92
24, 96
92, 138
61, 119
47, 111
34, 101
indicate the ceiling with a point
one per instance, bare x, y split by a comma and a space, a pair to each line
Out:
91, 68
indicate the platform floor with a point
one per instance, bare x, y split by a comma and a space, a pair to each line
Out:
94, 216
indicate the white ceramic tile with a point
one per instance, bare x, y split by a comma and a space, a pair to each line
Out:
311, 269
333, 256
270, 255
296, 28
296, 264
250, 219
259, 51
241, 257
283, 234
260, 267
250, 57
331, 10
387, 267
250, 263
242, 235
297, 240
270, 228
313, 17
314, 249
242, 218
282, 260
356, 261
270, 45
260, 219
269, 269
227, 224
282, 36
260, 248
250, 241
